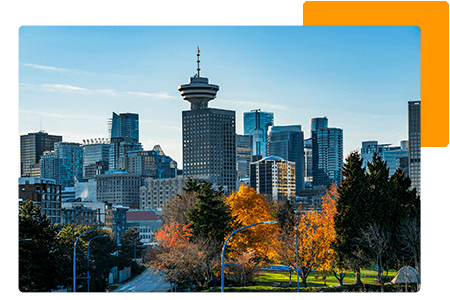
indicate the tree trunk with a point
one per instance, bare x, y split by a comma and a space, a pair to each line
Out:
290, 274
357, 277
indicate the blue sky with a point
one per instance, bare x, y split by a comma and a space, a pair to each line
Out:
72, 78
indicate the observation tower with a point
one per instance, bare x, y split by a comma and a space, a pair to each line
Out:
198, 91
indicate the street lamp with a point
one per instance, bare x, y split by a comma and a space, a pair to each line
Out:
75, 255
88, 277
296, 247
224, 246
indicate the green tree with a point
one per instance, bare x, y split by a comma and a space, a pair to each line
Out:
211, 216
38, 250
128, 240
352, 213
67, 237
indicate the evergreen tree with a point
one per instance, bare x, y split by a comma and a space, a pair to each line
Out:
211, 217
352, 214
38, 257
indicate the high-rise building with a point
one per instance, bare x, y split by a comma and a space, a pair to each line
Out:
209, 134
287, 143
125, 125
328, 153
414, 143
308, 162
317, 123
388, 153
64, 164
256, 124
95, 158
244, 145
32, 147
118, 148
274, 177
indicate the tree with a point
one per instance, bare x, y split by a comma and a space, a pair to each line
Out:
352, 214
67, 237
377, 241
249, 207
176, 208
130, 242
286, 246
38, 250
211, 217
180, 258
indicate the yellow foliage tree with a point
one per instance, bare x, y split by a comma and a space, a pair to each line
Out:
249, 207
316, 235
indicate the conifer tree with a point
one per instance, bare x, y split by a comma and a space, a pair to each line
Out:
352, 213
211, 217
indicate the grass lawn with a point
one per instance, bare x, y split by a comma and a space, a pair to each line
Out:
266, 279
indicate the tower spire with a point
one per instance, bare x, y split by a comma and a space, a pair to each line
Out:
198, 61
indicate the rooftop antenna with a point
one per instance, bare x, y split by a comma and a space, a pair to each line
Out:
198, 61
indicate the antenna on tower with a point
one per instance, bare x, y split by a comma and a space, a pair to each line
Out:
198, 61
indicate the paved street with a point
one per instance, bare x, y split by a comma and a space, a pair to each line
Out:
145, 282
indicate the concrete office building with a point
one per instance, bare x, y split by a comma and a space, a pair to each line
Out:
155, 193
32, 147
274, 177
414, 144
119, 188
287, 143
256, 124
209, 135
43, 192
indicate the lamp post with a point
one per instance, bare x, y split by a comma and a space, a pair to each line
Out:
296, 248
89, 277
226, 241
75, 255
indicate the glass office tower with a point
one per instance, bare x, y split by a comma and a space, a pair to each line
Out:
414, 144
328, 156
287, 143
256, 124
125, 125
64, 164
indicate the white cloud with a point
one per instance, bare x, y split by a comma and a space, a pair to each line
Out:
110, 92
75, 71
46, 67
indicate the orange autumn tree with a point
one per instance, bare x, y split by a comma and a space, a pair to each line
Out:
249, 207
316, 235
327, 258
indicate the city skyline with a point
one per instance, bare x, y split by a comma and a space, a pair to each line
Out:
71, 79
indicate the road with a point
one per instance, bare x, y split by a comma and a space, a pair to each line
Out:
144, 283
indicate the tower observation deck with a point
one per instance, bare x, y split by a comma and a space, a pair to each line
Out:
198, 91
